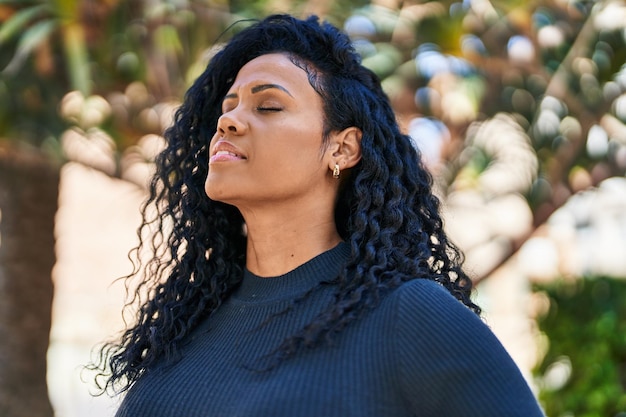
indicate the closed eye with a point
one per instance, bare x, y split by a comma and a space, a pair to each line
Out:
269, 109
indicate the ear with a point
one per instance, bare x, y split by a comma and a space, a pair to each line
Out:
345, 148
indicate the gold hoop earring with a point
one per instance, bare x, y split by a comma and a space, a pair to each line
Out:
336, 171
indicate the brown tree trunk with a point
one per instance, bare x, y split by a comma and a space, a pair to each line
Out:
29, 185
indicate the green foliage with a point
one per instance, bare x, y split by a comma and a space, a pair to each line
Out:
333, 11
49, 49
16, 23
583, 372
42, 57
447, 60
33, 23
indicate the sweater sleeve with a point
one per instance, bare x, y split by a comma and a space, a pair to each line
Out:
450, 363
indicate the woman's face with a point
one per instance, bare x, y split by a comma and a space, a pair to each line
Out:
268, 145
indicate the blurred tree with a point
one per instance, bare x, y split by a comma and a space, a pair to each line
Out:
582, 373
57, 60
29, 190
557, 68
28, 193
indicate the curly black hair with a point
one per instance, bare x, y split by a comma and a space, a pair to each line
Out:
386, 210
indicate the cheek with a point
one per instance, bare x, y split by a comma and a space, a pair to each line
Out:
212, 141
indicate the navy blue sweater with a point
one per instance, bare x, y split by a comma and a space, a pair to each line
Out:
419, 353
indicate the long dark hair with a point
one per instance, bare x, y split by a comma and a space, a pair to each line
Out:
386, 210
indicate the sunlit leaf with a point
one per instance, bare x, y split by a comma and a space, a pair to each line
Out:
67, 10
77, 59
20, 20
32, 38
18, 2
166, 38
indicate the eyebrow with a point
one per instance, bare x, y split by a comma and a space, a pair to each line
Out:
259, 88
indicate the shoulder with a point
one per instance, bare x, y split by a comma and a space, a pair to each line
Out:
445, 352
428, 298
423, 289
429, 317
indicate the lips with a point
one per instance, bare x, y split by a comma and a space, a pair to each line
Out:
221, 156
224, 151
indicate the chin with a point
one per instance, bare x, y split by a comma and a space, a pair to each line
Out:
217, 193
213, 194
211, 191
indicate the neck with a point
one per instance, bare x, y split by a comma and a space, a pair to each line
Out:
281, 240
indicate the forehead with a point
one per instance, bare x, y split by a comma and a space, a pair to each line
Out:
275, 67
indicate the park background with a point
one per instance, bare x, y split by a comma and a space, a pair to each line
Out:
518, 107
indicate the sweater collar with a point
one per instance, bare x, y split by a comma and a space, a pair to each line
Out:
325, 266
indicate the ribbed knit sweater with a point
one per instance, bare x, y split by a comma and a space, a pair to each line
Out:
419, 353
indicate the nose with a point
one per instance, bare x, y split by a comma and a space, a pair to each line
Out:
230, 123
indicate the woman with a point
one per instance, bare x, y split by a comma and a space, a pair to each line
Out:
300, 264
